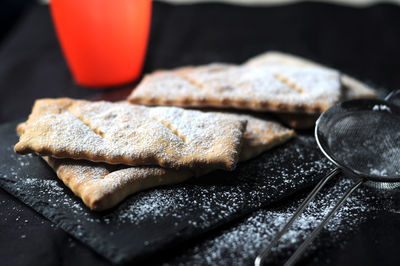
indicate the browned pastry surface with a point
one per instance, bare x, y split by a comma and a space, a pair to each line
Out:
295, 88
351, 88
122, 133
102, 186
260, 88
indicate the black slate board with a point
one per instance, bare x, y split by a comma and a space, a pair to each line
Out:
152, 220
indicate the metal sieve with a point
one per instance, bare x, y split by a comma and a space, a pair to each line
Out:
362, 138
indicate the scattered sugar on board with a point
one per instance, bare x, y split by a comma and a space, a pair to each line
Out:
50, 189
171, 203
240, 244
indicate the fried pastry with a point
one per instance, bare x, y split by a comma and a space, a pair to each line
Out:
260, 88
261, 134
102, 186
122, 133
351, 88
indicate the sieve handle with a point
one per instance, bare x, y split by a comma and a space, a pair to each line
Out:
316, 231
393, 97
261, 257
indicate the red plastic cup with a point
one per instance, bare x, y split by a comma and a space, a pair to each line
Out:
104, 41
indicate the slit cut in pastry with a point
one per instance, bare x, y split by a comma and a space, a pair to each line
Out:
122, 133
351, 87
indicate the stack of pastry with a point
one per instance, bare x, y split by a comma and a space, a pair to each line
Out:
105, 151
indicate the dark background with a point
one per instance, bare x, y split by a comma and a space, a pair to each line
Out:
10, 12
363, 42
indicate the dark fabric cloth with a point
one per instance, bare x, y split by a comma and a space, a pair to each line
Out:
362, 42
10, 12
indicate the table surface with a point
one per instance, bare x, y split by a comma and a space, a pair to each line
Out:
360, 41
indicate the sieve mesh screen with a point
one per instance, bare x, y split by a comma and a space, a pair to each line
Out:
364, 140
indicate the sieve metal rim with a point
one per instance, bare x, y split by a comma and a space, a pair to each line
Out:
353, 104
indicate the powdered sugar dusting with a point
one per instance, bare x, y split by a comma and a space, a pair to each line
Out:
134, 135
260, 87
240, 244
